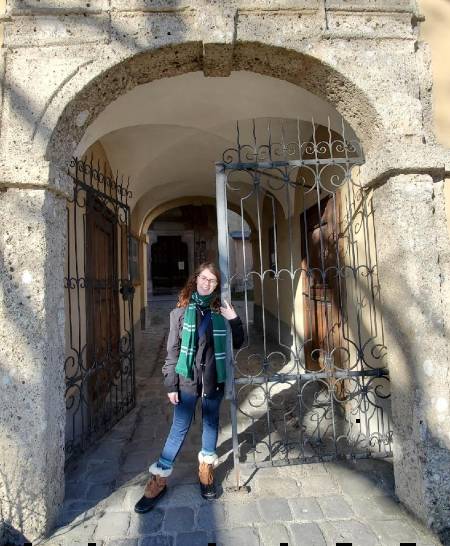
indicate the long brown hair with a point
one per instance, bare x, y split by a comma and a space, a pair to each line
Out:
191, 284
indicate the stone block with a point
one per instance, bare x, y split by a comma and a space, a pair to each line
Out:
29, 31
98, 492
275, 5
242, 513
157, 540
380, 507
335, 507
123, 542
154, 5
160, 5
184, 495
307, 533
242, 535
73, 507
115, 501
277, 487
211, 516
315, 486
29, 7
273, 534
354, 482
349, 531
81, 531
179, 519
370, 25
275, 509
382, 5
197, 538
306, 509
392, 533
147, 524
260, 25
136, 462
101, 475
137, 31
112, 525
299, 471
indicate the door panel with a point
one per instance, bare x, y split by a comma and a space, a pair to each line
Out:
102, 301
321, 290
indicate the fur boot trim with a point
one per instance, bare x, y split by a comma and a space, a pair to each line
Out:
208, 459
154, 469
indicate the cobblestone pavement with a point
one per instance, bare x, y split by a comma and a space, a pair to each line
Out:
314, 505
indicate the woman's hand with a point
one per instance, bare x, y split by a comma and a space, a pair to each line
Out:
227, 311
173, 397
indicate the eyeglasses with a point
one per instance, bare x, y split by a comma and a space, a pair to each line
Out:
212, 282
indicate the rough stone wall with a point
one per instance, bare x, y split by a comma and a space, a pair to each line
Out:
32, 407
75, 58
414, 265
64, 61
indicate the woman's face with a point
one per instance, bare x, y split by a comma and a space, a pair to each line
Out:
206, 282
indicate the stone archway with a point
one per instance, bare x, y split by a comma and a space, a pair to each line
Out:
40, 156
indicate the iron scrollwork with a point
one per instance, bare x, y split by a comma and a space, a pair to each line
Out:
311, 383
99, 364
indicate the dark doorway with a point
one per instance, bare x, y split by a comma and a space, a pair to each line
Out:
170, 264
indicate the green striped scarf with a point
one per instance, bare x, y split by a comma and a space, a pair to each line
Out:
188, 347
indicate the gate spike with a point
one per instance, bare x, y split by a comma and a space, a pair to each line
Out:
344, 140
330, 138
269, 129
314, 137
238, 140
283, 142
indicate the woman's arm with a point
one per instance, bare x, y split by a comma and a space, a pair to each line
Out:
173, 351
237, 332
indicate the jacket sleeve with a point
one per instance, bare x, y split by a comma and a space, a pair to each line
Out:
173, 350
237, 331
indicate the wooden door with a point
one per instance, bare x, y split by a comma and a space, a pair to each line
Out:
321, 290
102, 300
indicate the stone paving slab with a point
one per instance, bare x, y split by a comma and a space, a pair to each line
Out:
307, 533
357, 532
274, 534
312, 505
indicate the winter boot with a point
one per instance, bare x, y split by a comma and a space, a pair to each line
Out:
206, 475
154, 490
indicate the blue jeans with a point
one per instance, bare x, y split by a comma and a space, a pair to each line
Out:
182, 418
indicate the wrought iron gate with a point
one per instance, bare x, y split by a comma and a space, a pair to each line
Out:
310, 384
99, 365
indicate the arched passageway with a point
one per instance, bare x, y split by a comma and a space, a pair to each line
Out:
170, 153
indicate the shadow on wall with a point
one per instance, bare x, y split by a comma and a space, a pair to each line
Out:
27, 424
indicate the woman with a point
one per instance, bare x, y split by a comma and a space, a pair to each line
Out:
195, 368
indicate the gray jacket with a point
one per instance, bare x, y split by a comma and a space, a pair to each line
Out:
205, 363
